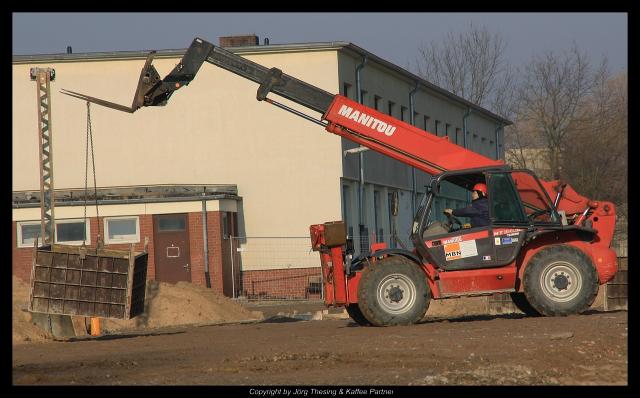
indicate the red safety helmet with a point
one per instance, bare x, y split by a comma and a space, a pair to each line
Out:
482, 187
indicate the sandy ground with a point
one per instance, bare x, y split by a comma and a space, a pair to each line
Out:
165, 305
23, 330
587, 349
191, 336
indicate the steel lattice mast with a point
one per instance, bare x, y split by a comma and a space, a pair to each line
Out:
43, 77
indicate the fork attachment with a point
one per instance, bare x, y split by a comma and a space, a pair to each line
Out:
153, 91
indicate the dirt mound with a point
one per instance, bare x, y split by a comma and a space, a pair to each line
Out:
23, 329
181, 304
165, 305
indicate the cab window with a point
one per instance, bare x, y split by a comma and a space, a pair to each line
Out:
505, 204
535, 201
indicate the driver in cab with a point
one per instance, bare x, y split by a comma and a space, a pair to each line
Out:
478, 211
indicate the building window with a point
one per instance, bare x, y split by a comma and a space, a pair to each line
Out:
72, 232
446, 129
346, 89
225, 225
458, 136
363, 97
392, 243
390, 107
505, 202
122, 230
426, 123
346, 202
171, 223
376, 214
27, 232
377, 102
403, 114
437, 127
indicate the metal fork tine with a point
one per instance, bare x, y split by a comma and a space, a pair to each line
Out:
98, 101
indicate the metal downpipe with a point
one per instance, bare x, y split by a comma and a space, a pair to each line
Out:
360, 156
412, 120
464, 140
500, 127
205, 238
464, 127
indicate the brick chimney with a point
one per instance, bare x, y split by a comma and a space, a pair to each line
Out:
238, 41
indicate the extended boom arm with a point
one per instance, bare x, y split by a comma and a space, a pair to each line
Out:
341, 116
152, 91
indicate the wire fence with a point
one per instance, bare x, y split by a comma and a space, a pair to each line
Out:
285, 268
276, 268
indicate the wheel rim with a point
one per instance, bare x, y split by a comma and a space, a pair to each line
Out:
561, 281
396, 293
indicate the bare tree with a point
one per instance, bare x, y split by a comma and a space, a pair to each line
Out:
470, 64
525, 149
596, 158
553, 90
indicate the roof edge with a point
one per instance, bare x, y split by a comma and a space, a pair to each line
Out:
259, 49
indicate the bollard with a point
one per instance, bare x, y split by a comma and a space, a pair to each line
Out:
95, 326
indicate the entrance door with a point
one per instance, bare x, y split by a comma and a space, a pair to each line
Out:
171, 241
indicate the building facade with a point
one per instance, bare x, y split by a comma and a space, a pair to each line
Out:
287, 173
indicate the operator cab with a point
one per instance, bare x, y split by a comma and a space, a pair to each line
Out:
516, 203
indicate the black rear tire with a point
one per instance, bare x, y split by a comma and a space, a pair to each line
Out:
393, 291
521, 302
560, 280
354, 312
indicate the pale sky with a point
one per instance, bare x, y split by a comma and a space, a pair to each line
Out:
392, 36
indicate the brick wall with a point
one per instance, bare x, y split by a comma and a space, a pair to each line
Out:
230, 273
196, 248
273, 284
238, 41
23, 257
214, 232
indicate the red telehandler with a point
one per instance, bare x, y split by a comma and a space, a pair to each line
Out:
546, 245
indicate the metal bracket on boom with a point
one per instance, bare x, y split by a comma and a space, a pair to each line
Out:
274, 79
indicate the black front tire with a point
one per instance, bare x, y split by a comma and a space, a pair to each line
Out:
393, 291
354, 312
521, 302
560, 280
